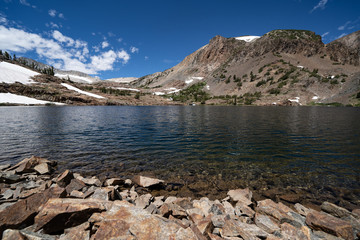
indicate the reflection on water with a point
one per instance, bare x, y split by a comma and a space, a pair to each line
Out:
264, 147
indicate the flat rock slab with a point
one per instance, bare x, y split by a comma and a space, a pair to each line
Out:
146, 181
126, 221
241, 195
330, 224
58, 213
275, 210
234, 228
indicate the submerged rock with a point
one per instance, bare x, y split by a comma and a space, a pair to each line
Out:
146, 181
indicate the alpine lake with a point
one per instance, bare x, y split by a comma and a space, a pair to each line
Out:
293, 154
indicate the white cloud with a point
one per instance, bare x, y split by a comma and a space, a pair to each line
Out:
111, 34
134, 50
61, 16
3, 19
124, 56
320, 5
104, 44
146, 58
63, 52
119, 39
52, 12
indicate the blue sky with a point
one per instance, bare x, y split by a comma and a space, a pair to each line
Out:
115, 38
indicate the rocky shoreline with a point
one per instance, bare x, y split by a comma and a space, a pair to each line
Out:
35, 204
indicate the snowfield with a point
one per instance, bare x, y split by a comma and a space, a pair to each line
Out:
11, 73
81, 91
247, 38
128, 89
18, 99
191, 79
75, 78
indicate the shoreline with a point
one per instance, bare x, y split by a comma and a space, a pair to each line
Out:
35, 202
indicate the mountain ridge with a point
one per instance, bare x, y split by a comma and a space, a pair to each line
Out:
224, 61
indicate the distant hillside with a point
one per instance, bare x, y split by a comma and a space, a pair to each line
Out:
282, 67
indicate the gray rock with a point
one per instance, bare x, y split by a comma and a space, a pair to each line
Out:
233, 228
101, 194
158, 201
334, 210
8, 177
143, 201
7, 194
302, 210
265, 223
6, 205
243, 210
114, 182
152, 209
170, 199
4, 166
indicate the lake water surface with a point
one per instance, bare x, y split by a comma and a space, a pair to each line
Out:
310, 150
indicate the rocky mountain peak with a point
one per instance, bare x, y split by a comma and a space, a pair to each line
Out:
292, 34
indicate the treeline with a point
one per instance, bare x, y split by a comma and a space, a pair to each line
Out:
46, 70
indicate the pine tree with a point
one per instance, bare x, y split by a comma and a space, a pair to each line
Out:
1, 53
7, 56
14, 58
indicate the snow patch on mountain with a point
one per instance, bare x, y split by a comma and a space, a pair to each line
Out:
11, 73
18, 99
247, 38
68, 86
75, 78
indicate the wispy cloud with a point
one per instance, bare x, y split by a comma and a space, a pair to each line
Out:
320, 5
342, 35
54, 13
61, 51
350, 25
134, 50
53, 25
26, 3
342, 27
325, 34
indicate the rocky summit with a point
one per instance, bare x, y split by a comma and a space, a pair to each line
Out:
36, 204
282, 67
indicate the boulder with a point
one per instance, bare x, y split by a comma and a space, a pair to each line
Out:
266, 223
243, 210
4, 167
8, 177
242, 195
204, 204
101, 194
270, 208
28, 164
93, 181
74, 184
334, 210
185, 234
143, 201
64, 178
302, 210
12, 234
114, 182
81, 231
126, 221
22, 213
43, 168
58, 214
233, 228
330, 224
290, 232
146, 181
356, 213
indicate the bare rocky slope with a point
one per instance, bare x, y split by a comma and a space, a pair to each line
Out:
282, 67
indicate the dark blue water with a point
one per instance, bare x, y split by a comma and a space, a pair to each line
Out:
263, 147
